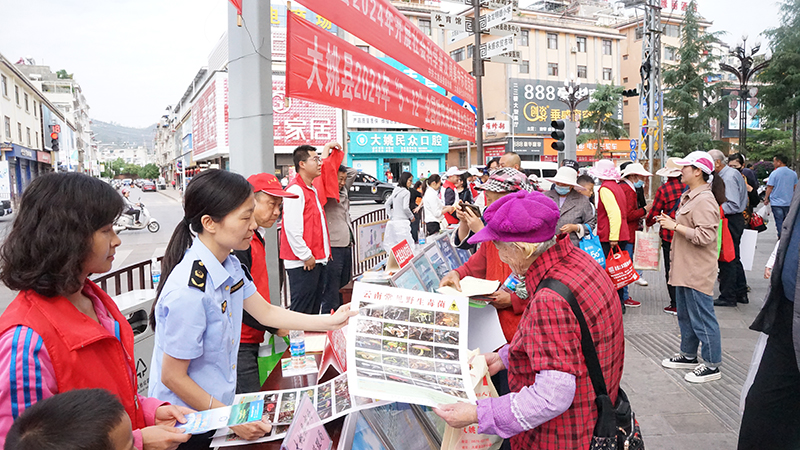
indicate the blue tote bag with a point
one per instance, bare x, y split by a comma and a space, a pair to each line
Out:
590, 243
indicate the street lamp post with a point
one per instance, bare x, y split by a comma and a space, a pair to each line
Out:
572, 94
745, 71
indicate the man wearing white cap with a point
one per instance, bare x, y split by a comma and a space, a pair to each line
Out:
574, 207
633, 176
450, 194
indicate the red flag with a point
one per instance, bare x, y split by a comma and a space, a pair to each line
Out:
327, 184
238, 5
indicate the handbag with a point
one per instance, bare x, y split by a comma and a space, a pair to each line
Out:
647, 251
757, 223
590, 243
727, 251
619, 268
616, 427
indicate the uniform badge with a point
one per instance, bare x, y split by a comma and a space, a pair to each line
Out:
197, 278
224, 306
237, 286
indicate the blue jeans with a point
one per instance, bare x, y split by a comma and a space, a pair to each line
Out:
629, 248
779, 213
698, 323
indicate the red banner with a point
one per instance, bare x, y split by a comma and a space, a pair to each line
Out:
402, 253
325, 69
381, 25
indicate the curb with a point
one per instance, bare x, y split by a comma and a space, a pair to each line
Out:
170, 197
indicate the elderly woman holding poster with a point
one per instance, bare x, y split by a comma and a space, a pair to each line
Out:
551, 404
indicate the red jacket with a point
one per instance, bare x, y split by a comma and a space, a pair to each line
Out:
312, 225
603, 228
450, 218
84, 355
634, 214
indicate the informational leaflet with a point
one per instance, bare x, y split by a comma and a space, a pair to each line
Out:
306, 431
203, 421
331, 399
408, 346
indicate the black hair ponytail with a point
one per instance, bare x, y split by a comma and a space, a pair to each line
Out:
213, 193
717, 187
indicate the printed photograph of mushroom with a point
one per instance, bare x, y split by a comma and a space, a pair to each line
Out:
447, 319
422, 316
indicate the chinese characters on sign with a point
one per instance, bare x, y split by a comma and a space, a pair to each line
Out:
278, 26
301, 122
381, 25
496, 126
380, 142
210, 118
355, 81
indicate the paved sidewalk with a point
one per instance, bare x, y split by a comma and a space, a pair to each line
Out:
673, 413
174, 194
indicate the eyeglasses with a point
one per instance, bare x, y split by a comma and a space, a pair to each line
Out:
314, 158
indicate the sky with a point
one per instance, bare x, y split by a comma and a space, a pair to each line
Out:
134, 57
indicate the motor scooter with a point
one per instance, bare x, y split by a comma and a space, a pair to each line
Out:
127, 222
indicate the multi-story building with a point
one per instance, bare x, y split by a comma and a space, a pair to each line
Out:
26, 116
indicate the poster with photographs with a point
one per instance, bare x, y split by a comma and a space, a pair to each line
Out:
331, 399
433, 255
407, 278
448, 253
426, 273
407, 346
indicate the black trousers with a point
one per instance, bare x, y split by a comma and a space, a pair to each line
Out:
771, 418
306, 288
607, 251
732, 280
432, 227
337, 275
198, 442
415, 227
665, 246
247, 369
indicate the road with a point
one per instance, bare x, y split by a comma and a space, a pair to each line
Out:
141, 245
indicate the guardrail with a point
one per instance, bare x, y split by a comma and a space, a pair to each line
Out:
125, 278
360, 267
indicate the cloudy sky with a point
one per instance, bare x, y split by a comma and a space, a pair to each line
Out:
134, 57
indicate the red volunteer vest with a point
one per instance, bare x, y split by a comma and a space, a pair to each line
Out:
312, 225
450, 218
83, 353
603, 227
261, 279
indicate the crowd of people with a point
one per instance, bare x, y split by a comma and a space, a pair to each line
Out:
212, 308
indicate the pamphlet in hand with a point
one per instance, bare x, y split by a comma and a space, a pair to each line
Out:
213, 419
472, 287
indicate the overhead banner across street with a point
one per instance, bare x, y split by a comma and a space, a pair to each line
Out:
381, 25
326, 69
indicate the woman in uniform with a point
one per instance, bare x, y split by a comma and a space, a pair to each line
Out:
203, 291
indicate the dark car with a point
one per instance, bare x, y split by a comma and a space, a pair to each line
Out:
148, 186
367, 187
5, 207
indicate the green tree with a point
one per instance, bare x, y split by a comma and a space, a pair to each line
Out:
149, 171
781, 94
687, 104
766, 143
601, 116
63, 75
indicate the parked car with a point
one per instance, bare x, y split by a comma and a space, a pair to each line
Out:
148, 186
542, 170
127, 182
5, 208
367, 187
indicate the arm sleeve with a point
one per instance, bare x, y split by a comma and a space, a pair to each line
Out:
26, 374
658, 206
293, 223
149, 407
588, 211
733, 203
183, 323
771, 260
449, 197
351, 177
405, 197
706, 222
614, 214
549, 396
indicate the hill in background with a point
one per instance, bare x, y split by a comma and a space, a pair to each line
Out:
122, 136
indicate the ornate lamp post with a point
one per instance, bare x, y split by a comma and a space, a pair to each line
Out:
745, 71
572, 94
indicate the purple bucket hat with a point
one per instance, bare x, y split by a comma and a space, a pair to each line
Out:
519, 217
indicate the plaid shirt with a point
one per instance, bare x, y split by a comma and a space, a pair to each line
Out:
549, 338
666, 200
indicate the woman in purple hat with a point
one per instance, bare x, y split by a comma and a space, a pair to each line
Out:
551, 404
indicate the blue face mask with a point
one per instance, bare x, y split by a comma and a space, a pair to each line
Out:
638, 184
562, 190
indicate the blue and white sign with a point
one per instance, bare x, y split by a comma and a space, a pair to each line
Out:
634, 144
382, 143
633, 155
412, 74
464, 104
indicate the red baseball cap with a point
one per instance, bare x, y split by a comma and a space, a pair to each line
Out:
268, 183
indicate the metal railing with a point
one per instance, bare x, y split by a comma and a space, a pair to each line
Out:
125, 278
360, 267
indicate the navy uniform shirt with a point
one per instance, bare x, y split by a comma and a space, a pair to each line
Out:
199, 318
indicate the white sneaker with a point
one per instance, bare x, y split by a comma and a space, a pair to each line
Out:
642, 282
702, 374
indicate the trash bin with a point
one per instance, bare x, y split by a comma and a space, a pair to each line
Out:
136, 306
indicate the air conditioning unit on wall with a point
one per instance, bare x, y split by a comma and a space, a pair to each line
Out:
573, 49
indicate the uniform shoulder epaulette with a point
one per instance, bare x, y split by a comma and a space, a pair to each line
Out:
197, 279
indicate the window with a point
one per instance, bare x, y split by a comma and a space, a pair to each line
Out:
35, 109
552, 41
627, 128
37, 139
470, 51
581, 41
625, 103
4, 83
639, 32
524, 37
19, 132
8, 127
607, 74
624, 57
606, 46
581, 71
552, 69
670, 53
363, 47
425, 26
625, 80
672, 30
525, 67
16, 94
462, 159
28, 136
27, 105
457, 55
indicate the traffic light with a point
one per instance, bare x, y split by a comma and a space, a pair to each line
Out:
54, 137
630, 93
558, 134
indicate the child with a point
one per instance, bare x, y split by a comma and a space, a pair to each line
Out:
202, 295
83, 419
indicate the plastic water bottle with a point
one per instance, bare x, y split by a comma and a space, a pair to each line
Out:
422, 240
155, 271
297, 345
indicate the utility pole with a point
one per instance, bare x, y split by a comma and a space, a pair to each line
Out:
650, 72
477, 72
250, 120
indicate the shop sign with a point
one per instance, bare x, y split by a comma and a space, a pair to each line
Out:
493, 151
277, 19
589, 149
43, 157
297, 122
356, 81
358, 120
383, 26
527, 145
496, 126
381, 142
210, 118
535, 103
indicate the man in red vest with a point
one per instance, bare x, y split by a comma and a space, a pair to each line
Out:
269, 195
305, 243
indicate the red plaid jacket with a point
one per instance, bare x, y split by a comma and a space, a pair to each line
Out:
667, 197
549, 338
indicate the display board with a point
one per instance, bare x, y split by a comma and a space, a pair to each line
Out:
370, 240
